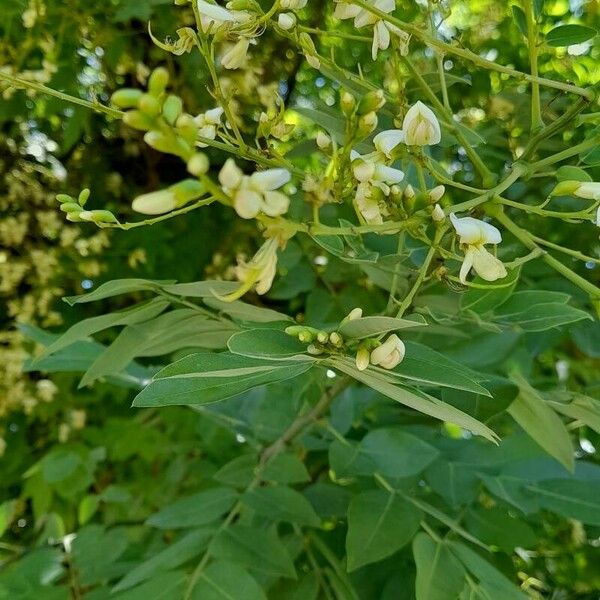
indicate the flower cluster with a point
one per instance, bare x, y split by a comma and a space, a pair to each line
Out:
256, 193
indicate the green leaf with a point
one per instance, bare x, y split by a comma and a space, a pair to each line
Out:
285, 468
484, 299
223, 580
568, 35
497, 527
397, 453
176, 554
570, 173
440, 575
379, 524
164, 586
281, 503
520, 19
116, 288
372, 326
497, 586
198, 509
81, 330
541, 423
257, 548
202, 289
540, 317
246, 312
7, 514
421, 402
575, 499
271, 344
207, 378
579, 407
239, 472
424, 365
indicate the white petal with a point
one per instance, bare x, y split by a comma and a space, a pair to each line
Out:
363, 170
421, 127
230, 176
388, 174
213, 116
386, 141
268, 180
236, 57
468, 229
598, 217
344, 10
364, 17
247, 203
589, 190
214, 12
487, 266
492, 234
275, 204
467, 264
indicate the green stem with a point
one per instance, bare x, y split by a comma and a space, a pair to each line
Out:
568, 153
532, 35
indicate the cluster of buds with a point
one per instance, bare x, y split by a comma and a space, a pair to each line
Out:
273, 124
168, 128
257, 193
287, 20
387, 354
76, 213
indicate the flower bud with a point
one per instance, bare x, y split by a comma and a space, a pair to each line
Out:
336, 339
64, 198
187, 128
155, 203
70, 207
436, 193
355, 313
158, 81
138, 120
172, 108
323, 140
409, 192
438, 214
83, 196
160, 141
362, 358
149, 105
347, 103
198, 165
322, 337
126, 98
372, 101
306, 336
314, 350
286, 21
367, 124
97, 216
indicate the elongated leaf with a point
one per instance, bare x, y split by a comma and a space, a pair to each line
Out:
568, 35
396, 453
379, 524
201, 289
206, 378
425, 365
223, 580
581, 408
540, 317
492, 295
135, 314
254, 547
373, 326
116, 288
440, 575
281, 503
246, 312
540, 422
422, 402
197, 509
174, 555
272, 344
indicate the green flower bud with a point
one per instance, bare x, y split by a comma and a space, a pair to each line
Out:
187, 190
64, 198
347, 103
187, 128
323, 337
371, 101
198, 165
138, 120
172, 108
336, 339
126, 98
158, 81
314, 350
97, 216
83, 196
73, 217
149, 105
70, 207
367, 124
565, 188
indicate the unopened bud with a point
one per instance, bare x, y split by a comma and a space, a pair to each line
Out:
566, 188
158, 81
286, 21
363, 357
305, 336
64, 198
409, 192
372, 101
322, 337
83, 196
323, 140
336, 339
436, 193
172, 108
438, 214
198, 165
312, 349
347, 103
138, 120
97, 216
126, 98
149, 105
70, 207
367, 123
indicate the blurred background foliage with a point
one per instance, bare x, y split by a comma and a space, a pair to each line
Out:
81, 458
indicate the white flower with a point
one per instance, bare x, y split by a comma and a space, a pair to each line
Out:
207, 124
286, 21
155, 203
362, 18
589, 190
390, 353
257, 193
386, 141
597, 222
293, 4
420, 126
258, 273
473, 235
213, 16
236, 57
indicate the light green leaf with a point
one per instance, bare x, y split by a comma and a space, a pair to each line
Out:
198, 509
568, 35
440, 576
7, 514
372, 326
541, 423
484, 299
202, 289
379, 524
420, 402
281, 503
579, 407
116, 288
272, 344
571, 173
397, 453
223, 580
540, 317
207, 378
257, 548
246, 312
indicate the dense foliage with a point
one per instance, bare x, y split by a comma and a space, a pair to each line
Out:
351, 348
